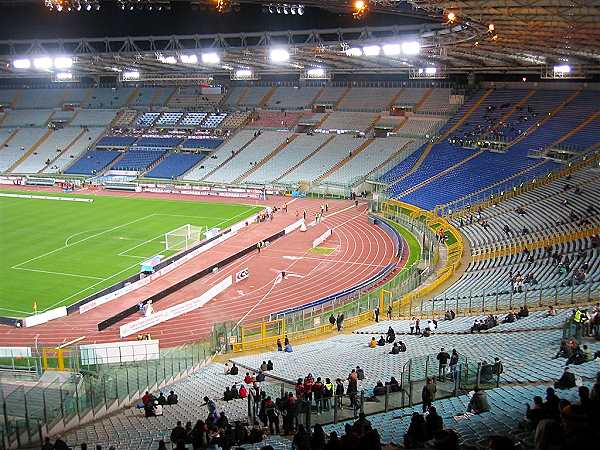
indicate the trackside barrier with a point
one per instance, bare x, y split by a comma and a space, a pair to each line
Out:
175, 311
44, 317
192, 278
318, 241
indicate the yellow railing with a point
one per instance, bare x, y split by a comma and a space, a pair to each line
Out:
512, 248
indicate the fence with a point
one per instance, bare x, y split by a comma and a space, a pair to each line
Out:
88, 391
465, 376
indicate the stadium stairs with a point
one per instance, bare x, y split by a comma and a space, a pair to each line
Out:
391, 158
578, 128
341, 163
29, 152
423, 99
400, 125
229, 158
63, 151
316, 97
157, 94
16, 98
310, 155
444, 136
133, 96
342, 97
271, 155
88, 96
395, 98
267, 97
243, 95
9, 138
440, 174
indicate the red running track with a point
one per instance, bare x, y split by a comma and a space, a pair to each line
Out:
361, 250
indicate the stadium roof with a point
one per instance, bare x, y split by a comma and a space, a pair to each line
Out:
508, 36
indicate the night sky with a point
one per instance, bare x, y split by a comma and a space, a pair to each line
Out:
34, 21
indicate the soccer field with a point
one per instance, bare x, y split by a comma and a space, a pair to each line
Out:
55, 252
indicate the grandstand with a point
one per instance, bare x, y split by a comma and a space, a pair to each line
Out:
415, 173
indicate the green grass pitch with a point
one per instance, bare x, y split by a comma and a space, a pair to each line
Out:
57, 252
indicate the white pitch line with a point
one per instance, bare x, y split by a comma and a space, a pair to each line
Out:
82, 240
57, 273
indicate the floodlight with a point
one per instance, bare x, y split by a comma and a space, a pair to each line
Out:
392, 49
411, 48
371, 50
430, 70
22, 63
354, 51
243, 73
63, 62
64, 76
562, 69
279, 55
189, 59
131, 75
211, 58
43, 63
316, 72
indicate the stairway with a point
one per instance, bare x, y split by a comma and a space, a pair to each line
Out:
133, 96
229, 158
372, 125
389, 159
267, 97
316, 97
578, 128
86, 99
395, 98
441, 174
9, 138
3, 118
322, 121
242, 96
445, 135
399, 127
63, 151
29, 152
15, 99
423, 99
307, 157
270, 156
342, 97
339, 164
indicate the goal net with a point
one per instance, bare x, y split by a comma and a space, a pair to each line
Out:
183, 237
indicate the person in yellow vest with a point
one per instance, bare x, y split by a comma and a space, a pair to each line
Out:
373, 343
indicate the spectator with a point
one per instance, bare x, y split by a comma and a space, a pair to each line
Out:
243, 393
479, 402
157, 409
381, 341
172, 398
566, 381
433, 422
536, 414
443, 357
428, 393
317, 441
373, 343
334, 442
360, 374
234, 370
162, 400
178, 433
269, 365
416, 435
301, 439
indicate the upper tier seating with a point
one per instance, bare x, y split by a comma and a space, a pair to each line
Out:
354, 121
420, 126
220, 155
368, 99
273, 119
27, 118
214, 120
95, 117
252, 154
92, 162
192, 97
438, 102
331, 95
19, 145
235, 120
293, 97
368, 160
49, 98
138, 158
152, 96
291, 155
125, 118
175, 165
332, 153
109, 98
147, 119
253, 96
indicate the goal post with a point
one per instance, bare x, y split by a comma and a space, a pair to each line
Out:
183, 237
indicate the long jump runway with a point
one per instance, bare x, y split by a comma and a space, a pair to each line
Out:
360, 251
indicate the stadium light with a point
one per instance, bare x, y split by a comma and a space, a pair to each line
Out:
188, 59
371, 50
131, 75
167, 59
315, 72
243, 73
562, 69
63, 62
22, 63
211, 58
64, 76
354, 51
392, 49
411, 48
360, 8
43, 63
279, 55
430, 70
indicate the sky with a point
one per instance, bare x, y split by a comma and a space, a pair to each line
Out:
34, 21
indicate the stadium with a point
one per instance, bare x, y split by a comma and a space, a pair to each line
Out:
343, 224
